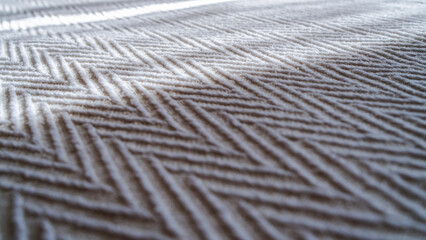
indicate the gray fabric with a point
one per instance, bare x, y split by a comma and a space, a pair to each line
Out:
212, 119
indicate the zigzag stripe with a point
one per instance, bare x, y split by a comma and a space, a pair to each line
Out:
238, 120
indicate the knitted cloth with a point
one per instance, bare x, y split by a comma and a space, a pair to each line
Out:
221, 119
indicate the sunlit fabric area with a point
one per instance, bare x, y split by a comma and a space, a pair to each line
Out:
212, 119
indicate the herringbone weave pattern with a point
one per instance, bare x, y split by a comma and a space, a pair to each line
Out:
195, 119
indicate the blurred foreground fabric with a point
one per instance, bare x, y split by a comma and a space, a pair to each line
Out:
222, 119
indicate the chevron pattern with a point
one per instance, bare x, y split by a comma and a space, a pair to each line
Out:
194, 119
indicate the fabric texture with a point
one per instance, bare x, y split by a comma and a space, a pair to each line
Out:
222, 119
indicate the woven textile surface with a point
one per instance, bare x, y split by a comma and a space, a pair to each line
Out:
221, 119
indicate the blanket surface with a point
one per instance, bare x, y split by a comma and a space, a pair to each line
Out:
212, 119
